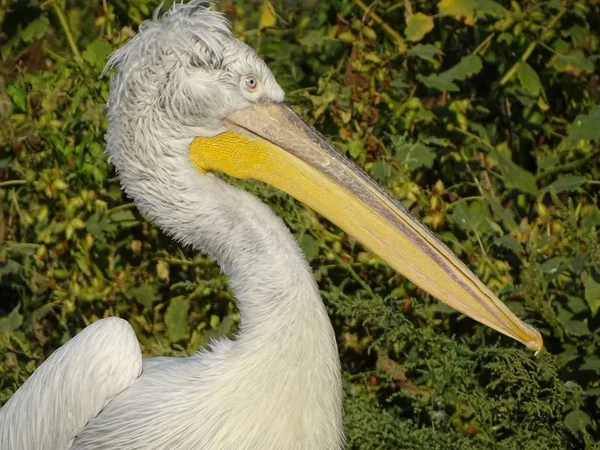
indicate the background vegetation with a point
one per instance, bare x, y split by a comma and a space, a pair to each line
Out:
481, 116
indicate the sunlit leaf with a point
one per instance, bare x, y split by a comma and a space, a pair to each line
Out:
35, 29
467, 9
19, 95
96, 53
268, 17
417, 26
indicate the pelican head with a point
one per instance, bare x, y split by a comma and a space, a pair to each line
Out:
189, 99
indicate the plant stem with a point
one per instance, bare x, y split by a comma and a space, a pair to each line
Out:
65, 26
120, 208
567, 167
481, 47
474, 136
401, 43
475, 179
12, 183
531, 47
108, 26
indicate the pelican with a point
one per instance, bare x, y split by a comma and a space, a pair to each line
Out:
188, 100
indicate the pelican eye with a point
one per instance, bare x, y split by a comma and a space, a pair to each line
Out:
251, 82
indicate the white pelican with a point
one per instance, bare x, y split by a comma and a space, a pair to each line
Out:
188, 99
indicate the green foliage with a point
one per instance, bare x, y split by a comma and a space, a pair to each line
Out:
482, 117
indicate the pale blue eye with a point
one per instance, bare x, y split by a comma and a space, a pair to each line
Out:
251, 82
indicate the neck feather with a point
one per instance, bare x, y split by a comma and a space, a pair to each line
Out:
271, 279
285, 337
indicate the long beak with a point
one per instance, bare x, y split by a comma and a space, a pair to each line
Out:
271, 143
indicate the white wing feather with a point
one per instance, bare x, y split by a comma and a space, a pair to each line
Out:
71, 387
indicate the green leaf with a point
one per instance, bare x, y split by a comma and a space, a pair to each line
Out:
11, 322
468, 66
96, 53
591, 362
567, 183
576, 328
9, 266
415, 155
472, 217
577, 34
8, 46
97, 224
425, 51
143, 294
457, 8
314, 38
468, 8
176, 318
509, 242
310, 246
35, 30
576, 304
499, 211
515, 176
440, 142
268, 17
19, 96
573, 62
591, 284
380, 170
417, 26
585, 127
577, 420
355, 148
580, 262
553, 265
123, 215
546, 161
591, 219
529, 78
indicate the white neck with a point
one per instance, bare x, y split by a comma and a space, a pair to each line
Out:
272, 282
285, 337
271, 279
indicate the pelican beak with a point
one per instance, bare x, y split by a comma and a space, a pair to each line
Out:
271, 143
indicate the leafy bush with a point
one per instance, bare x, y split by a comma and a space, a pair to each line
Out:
483, 117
